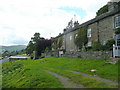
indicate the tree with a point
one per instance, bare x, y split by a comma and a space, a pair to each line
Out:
37, 45
109, 44
32, 46
59, 42
36, 38
81, 38
54, 43
42, 45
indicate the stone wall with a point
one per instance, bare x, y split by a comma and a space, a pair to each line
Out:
51, 53
90, 55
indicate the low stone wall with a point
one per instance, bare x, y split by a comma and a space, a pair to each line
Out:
92, 54
49, 54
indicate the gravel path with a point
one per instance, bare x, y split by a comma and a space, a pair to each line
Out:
98, 78
66, 81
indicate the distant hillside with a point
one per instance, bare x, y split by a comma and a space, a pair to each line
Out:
12, 48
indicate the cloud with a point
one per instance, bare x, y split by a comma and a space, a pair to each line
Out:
22, 18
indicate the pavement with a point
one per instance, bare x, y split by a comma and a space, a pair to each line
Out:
4, 60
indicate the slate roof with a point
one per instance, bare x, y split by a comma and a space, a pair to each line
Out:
98, 18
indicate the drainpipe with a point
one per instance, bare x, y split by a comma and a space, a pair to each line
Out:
98, 31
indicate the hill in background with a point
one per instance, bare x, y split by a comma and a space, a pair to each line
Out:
12, 48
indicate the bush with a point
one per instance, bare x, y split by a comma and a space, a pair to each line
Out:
109, 44
89, 49
97, 46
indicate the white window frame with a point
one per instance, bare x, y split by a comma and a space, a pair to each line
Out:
70, 37
89, 44
89, 32
117, 21
118, 42
103, 42
76, 35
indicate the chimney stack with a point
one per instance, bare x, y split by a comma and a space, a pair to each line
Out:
112, 5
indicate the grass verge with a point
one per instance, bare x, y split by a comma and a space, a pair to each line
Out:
31, 74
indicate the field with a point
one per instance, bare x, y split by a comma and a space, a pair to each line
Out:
35, 73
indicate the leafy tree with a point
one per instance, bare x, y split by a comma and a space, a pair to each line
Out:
35, 38
42, 45
109, 44
81, 38
30, 48
59, 42
37, 45
54, 43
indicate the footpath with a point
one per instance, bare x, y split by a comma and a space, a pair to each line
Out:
70, 84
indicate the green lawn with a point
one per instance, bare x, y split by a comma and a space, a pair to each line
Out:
22, 55
31, 74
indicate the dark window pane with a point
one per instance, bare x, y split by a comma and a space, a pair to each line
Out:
117, 21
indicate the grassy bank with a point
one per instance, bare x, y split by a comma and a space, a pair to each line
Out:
22, 55
31, 74
26, 74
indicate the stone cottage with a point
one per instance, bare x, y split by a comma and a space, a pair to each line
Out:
101, 28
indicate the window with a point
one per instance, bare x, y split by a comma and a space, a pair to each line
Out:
118, 42
63, 40
70, 37
76, 35
89, 44
89, 33
103, 42
117, 21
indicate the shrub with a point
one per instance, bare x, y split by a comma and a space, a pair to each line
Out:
109, 44
89, 48
97, 46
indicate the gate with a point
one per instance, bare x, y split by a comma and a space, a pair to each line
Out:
116, 51
116, 46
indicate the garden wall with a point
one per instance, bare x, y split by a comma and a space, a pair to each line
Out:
93, 54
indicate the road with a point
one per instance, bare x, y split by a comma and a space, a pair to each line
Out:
4, 60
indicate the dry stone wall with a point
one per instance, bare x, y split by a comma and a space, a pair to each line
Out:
90, 55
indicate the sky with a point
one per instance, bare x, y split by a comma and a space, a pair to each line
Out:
20, 19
